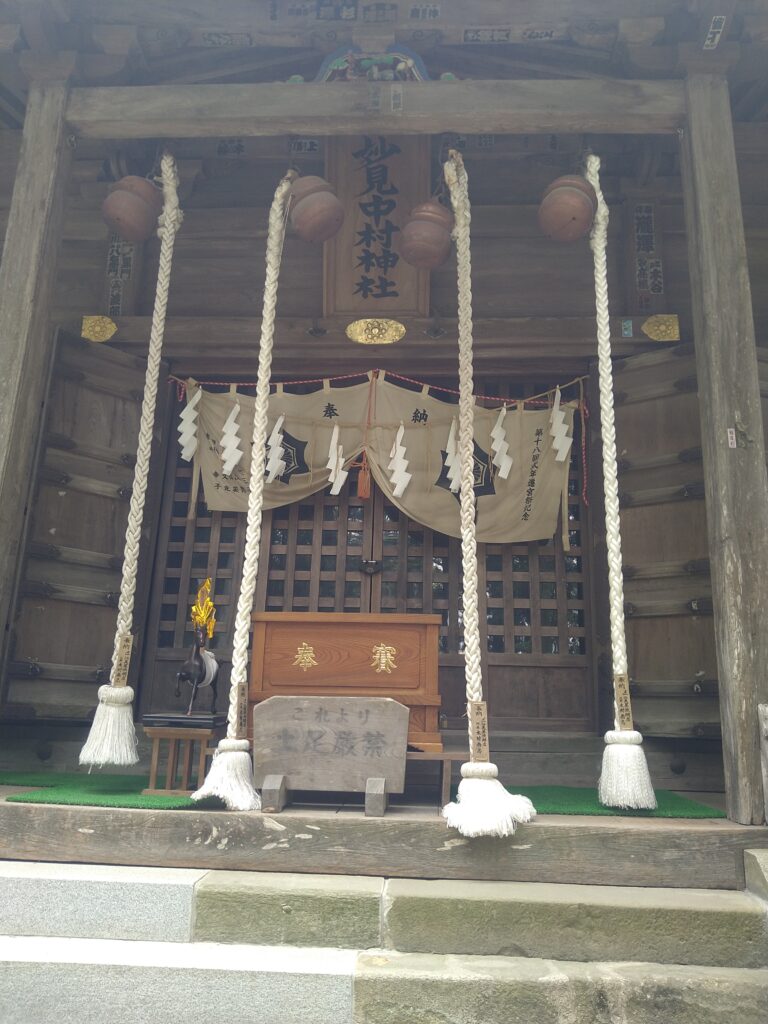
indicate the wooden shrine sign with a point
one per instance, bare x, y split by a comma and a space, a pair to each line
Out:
379, 179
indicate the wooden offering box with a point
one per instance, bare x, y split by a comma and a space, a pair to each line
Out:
346, 655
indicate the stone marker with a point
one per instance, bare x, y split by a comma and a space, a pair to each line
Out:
338, 744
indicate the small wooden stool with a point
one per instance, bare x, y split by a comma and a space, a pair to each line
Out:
179, 760
446, 759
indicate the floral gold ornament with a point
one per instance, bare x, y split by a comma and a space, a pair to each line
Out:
383, 658
98, 328
662, 327
203, 612
373, 331
305, 657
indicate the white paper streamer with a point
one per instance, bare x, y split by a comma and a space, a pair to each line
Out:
188, 427
335, 464
232, 453
453, 470
561, 442
275, 466
500, 447
398, 464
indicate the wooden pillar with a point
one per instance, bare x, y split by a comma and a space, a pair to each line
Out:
732, 432
27, 276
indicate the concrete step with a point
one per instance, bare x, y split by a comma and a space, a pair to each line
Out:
566, 922
94, 981
90, 981
95, 901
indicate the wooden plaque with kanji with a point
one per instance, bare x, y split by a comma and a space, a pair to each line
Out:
379, 179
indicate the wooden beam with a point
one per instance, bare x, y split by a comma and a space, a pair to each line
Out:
736, 485
564, 342
407, 843
27, 277
533, 107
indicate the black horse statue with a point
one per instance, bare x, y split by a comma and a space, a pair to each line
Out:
199, 670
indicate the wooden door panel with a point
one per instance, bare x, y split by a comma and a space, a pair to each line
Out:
50, 564
95, 416
669, 423
672, 647
88, 523
65, 632
668, 608
64, 621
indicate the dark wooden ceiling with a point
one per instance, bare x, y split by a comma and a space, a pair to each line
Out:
195, 41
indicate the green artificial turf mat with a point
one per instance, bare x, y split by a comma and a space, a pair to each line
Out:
572, 800
92, 790
102, 790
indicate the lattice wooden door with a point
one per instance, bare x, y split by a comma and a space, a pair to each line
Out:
343, 553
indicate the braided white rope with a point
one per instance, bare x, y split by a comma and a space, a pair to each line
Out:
456, 177
483, 807
168, 224
598, 243
112, 736
275, 236
624, 778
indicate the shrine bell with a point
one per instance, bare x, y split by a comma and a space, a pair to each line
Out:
425, 241
316, 211
568, 208
132, 208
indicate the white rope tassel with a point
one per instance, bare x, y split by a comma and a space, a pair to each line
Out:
483, 806
231, 775
112, 738
625, 780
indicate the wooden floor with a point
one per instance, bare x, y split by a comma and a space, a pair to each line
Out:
410, 842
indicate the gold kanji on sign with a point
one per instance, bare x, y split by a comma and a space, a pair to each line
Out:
383, 659
305, 657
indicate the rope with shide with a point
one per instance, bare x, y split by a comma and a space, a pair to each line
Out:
112, 737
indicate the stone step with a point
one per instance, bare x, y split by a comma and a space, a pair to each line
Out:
89, 981
422, 988
519, 919
560, 922
576, 922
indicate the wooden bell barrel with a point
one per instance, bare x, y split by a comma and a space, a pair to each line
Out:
425, 241
568, 209
132, 207
316, 212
